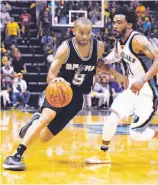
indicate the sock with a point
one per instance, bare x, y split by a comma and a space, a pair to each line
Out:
104, 148
20, 150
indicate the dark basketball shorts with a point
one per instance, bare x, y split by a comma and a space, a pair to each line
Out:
65, 114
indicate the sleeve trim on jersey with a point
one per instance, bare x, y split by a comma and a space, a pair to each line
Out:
68, 52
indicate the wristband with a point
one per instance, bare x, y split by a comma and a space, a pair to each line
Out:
142, 80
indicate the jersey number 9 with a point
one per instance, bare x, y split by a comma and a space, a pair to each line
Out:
78, 79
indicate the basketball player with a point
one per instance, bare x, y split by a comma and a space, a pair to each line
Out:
141, 96
76, 59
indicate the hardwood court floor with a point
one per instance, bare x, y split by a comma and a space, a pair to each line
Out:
61, 161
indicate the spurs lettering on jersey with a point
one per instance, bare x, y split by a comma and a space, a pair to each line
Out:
79, 67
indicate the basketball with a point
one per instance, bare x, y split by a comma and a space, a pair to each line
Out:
59, 94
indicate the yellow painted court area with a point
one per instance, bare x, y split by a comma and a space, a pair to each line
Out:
61, 161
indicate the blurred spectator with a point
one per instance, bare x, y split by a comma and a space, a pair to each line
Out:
40, 6
5, 60
48, 49
20, 91
46, 39
155, 33
147, 26
18, 64
4, 92
5, 16
100, 90
12, 32
7, 71
45, 22
7, 6
140, 10
2, 30
94, 15
63, 19
33, 12
14, 51
26, 19
3, 51
116, 89
108, 26
139, 24
147, 13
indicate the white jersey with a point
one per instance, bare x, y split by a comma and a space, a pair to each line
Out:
143, 106
136, 65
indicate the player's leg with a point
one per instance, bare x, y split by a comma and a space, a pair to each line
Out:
122, 107
145, 110
46, 135
63, 117
14, 162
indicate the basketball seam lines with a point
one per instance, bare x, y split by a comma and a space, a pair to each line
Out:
67, 91
58, 93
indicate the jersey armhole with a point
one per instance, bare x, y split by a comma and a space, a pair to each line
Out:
68, 52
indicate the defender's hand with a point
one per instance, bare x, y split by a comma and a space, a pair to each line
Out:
136, 86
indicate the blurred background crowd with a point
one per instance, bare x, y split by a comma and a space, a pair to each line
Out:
29, 42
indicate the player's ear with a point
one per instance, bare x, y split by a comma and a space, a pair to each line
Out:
74, 31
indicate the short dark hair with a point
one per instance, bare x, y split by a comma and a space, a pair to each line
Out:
129, 15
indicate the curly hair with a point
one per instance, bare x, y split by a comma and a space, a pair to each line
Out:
129, 15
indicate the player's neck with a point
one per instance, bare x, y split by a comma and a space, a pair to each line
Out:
126, 35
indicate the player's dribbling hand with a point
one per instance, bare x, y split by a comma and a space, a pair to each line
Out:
59, 79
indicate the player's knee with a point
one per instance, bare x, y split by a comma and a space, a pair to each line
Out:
44, 138
46, 117
46, 135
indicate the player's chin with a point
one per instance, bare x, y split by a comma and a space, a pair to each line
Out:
117, 36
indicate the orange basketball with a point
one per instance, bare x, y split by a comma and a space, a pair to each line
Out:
59, 94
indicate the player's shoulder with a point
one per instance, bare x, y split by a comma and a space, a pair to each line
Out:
139, 40
64, 47
101, 48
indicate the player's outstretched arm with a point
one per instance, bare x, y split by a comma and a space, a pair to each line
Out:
103, 67
141, 44
59, 59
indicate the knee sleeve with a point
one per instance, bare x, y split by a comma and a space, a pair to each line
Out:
110, 126
146, 135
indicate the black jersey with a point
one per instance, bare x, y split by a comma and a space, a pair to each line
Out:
77, 70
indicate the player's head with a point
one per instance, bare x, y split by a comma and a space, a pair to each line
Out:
83, 30
123, 21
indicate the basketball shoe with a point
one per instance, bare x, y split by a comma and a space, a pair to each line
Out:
13, 163
25, 128
100, 158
